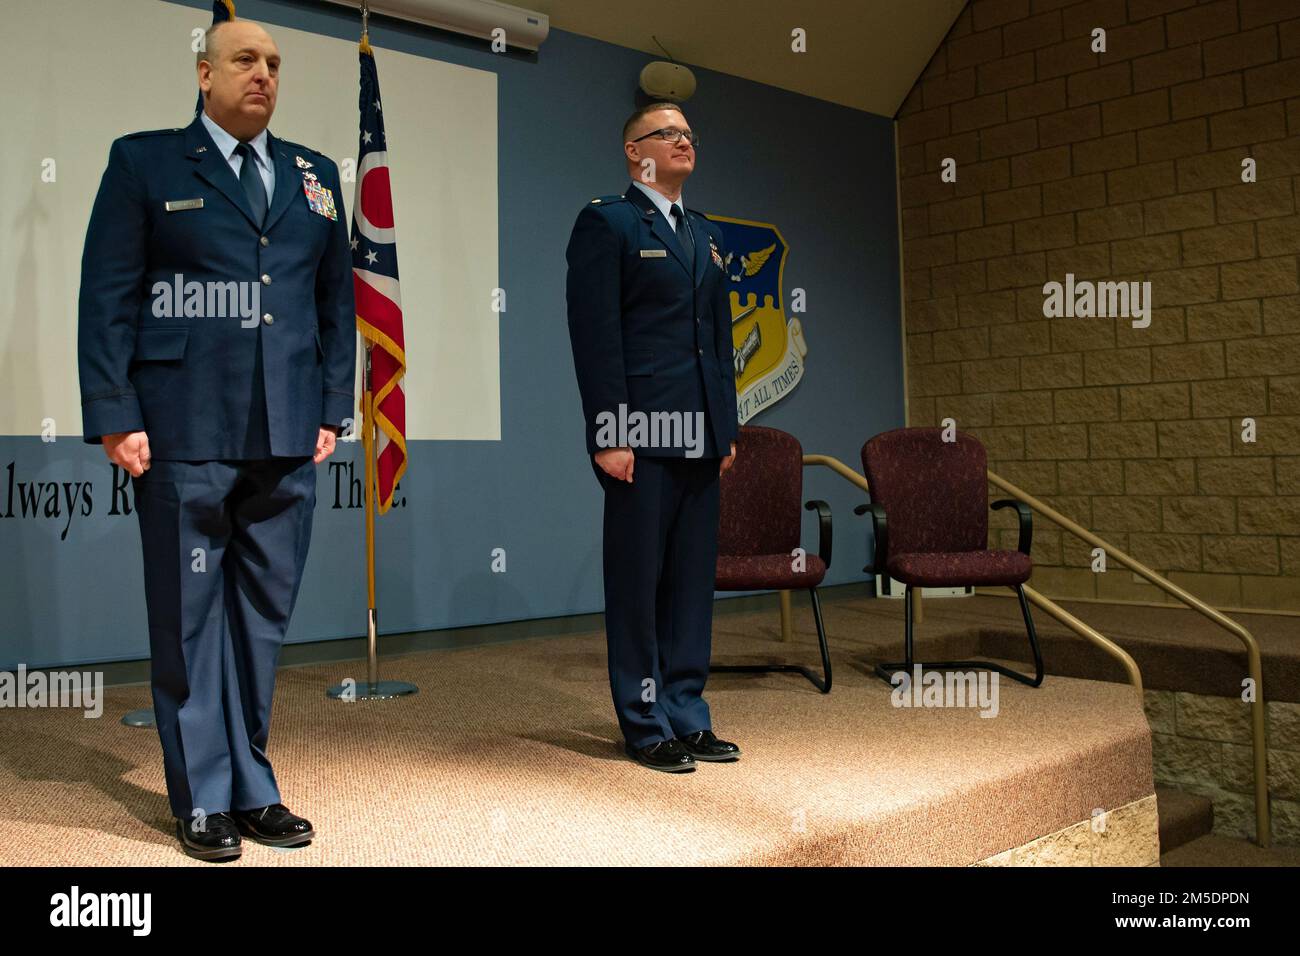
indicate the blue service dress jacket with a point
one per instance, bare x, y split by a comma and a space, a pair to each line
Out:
650, 325
172, 226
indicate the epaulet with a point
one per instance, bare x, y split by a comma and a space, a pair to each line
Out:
305, 149
154, 132
602, 200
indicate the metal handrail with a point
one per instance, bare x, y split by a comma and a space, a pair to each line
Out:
1262, 821
1254, 664
1090, 633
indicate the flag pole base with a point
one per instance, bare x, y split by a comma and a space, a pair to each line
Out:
379, 690
140, 718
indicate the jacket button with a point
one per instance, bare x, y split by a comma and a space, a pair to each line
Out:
268, 318
266, 279
265, 241
699, 351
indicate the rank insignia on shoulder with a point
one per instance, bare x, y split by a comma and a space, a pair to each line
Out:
302, 163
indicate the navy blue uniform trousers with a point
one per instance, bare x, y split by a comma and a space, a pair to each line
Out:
217, 617
660, 563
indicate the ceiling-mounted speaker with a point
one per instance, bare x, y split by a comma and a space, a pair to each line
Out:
661, 80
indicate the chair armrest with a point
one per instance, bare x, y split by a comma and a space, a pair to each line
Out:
880, 526
1026, 521
824, 537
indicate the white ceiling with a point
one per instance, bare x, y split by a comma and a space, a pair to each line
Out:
860, 53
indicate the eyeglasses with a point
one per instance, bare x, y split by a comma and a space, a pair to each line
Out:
670, 135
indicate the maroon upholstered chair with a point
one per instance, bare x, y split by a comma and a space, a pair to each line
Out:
759, 530
928, 509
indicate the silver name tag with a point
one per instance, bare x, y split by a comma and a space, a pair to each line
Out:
653, 253
176, 205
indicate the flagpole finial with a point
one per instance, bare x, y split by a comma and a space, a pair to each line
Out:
365, 28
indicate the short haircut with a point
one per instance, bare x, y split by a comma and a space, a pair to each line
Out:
208, 35
648, 108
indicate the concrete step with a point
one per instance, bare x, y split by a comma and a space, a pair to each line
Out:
1184, 817
1175, 649
1221, 851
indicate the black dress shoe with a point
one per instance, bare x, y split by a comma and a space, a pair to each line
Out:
274, 826
217, 840
667, 755
704, 746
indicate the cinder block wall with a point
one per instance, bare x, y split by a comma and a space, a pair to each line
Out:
1123, 165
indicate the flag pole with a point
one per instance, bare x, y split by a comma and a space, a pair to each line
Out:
374, 688
368, 444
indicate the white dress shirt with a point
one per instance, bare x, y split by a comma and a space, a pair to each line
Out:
663, 204
261, 150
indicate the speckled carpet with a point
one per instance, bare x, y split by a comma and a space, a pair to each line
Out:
510, 754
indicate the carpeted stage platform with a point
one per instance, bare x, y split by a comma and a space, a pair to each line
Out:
510, 755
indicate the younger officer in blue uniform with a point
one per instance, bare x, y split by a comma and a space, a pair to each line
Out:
220, 412
650, 325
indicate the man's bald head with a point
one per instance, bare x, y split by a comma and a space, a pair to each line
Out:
239, 74
212, 37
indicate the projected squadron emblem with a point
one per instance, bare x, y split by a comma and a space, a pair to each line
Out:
769, 349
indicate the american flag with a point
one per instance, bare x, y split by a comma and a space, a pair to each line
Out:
374, 279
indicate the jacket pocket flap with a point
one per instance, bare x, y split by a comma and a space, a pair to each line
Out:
160, 344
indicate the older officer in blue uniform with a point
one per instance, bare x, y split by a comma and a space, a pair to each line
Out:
650, 325
217, 349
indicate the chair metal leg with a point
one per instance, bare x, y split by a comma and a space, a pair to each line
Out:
886, 671
1033, 637
822, 683
909, 629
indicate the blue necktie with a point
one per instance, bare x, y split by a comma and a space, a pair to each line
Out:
683, 231
251, 180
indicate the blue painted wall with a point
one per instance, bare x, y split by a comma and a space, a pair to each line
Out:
71, 588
